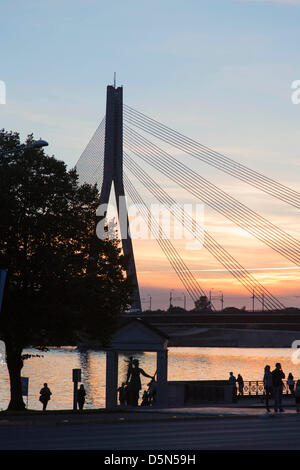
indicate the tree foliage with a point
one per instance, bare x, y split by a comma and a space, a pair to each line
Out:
64, 285
203, 303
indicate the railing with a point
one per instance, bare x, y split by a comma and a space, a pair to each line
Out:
193, 392
256, 387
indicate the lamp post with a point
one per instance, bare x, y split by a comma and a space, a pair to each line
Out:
33, 145
253, 300
222, 300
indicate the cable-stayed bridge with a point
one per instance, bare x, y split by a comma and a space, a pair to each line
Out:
125, 140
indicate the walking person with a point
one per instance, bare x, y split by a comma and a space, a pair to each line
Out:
45, 395
152, 391
122, 394
277, 376
81, 396
145, 399
232, 382
297, 396
268, 385
134, 382
291, 383
240, 382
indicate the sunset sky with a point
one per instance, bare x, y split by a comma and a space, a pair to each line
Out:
220, 72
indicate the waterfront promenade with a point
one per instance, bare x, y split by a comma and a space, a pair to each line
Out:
240, 426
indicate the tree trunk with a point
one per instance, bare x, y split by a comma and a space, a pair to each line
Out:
14, 364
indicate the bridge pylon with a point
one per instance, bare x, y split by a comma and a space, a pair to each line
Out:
113, 175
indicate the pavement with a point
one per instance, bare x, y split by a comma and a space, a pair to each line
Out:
243, 409
180, 429
241, 426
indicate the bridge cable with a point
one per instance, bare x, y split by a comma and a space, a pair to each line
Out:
91, 159
184, 274
240, 214
281, 242
212, 157
93, 153
250, 283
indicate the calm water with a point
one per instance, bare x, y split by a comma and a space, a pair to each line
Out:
55, 368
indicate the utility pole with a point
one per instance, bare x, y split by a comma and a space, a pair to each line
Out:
222, 301
219, 297
113, 175
184, 301
170, 299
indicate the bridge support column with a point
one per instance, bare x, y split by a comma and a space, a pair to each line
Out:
111, 379
113, 175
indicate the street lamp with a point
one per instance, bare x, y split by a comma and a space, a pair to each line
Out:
222, 300
33, 145
38, 143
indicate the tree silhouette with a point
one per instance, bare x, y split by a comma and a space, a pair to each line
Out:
64, 285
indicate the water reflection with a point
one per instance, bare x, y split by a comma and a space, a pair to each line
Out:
55, 368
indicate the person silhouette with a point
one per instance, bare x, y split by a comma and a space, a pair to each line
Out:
145, 399
297, 396
240, 382
45, 395
122, 394
152, 391
81, 396
232, 382
133, 382
277, 376
291, 383
268, 385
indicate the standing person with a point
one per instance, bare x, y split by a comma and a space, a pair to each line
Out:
291, 383
268, 384
81, 397
129, 366
145, 399
277, 376
134, 382
240, 382
152, 391
122, 394
45, 395
232, 382
297, 396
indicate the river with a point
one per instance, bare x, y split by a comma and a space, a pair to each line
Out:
55, 367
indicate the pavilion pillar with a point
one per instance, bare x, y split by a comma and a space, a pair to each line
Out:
111, 379
162, 379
